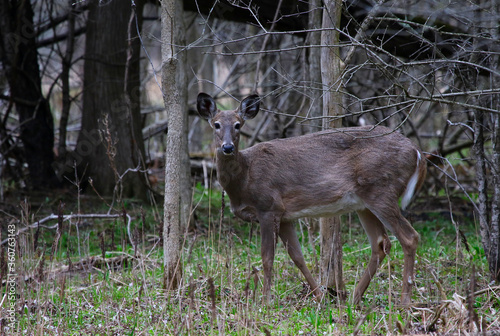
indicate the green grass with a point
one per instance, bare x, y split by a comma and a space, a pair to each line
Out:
127, 297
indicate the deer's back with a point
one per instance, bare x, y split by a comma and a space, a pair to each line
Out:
320, 173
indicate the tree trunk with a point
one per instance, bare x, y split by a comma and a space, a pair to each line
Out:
331, 68
494, 252
110, 141
488, 205
482, 181
186, 188
495, 206
174, 106
494, 260
314, 60
19, 56
65, 73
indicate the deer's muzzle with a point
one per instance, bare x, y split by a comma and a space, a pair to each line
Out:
228, 148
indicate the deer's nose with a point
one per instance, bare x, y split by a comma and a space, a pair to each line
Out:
228, 148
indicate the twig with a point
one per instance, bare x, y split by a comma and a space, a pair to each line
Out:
439, 284
453, 178
67, 218
437, 315
486, 290
360, 34
264, 45
362, 320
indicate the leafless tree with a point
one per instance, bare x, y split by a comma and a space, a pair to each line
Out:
171, 18
110, 140
331, 75
19, 57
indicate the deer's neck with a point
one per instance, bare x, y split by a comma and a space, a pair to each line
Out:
231, 171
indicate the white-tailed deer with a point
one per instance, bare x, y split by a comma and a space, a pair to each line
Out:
362, 169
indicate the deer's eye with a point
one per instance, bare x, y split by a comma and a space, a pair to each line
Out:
237, 126
217, 125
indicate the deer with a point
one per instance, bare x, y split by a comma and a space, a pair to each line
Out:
365, 169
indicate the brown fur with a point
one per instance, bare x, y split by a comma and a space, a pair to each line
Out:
363, 169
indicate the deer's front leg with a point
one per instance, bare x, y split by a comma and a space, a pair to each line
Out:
269, 227
289, 238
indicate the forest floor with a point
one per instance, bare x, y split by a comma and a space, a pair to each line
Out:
88, 276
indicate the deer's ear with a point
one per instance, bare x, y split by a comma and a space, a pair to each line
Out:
250, 107
206, 106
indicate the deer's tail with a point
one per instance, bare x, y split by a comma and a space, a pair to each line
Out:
415, 182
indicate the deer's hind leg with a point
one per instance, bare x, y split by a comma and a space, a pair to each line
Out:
289, 237
408, 238
380, 245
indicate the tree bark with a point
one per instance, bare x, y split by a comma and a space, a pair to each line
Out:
314, 60
110, 141
482, 181
488, 204
331, 69
185, 184
174, 106
494, 260
19, 56
66, 66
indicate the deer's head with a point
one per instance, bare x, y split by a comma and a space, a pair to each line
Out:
227, 124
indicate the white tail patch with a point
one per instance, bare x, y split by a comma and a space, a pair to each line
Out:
411, 186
